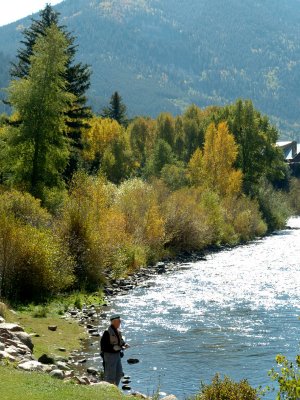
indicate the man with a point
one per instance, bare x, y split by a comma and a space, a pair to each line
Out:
112, 346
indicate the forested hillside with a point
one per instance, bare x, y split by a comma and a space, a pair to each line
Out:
162, 55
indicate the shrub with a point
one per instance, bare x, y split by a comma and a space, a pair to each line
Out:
244, 216
288, 378
274, 206
33, 262
187, 225
25, 208
227, 389
294, 196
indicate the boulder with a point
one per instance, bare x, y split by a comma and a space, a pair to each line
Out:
57, 373
10, 327
25, 339
7, 356
126, 387
32, 366
12, 350
2, 320
171, 397
2, 347
45, 359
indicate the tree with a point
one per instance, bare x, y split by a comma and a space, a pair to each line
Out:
162, 155
219, 156
38, 150
77, 76
258, 155
116, 109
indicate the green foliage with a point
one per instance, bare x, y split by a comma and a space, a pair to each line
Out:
227, 389
294, 196
274, 206
77, 76
37, 150
162, 155
33, 261
288, 378
116, 109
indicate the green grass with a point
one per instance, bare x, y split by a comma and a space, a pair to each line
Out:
16, 385
37, 318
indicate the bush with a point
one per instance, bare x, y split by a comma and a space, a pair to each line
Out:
227, 390
294, 196
274, 206
244, 216
288, 378
33, 263
187, 222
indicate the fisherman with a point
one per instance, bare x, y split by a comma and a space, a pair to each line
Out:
112, 346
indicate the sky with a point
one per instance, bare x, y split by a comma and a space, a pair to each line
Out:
12, 10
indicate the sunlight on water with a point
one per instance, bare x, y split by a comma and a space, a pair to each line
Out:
230, 314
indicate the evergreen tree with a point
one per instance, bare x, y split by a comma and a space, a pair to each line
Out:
116, 109
37, 149
77, 77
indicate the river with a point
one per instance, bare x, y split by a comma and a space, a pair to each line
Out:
229, 314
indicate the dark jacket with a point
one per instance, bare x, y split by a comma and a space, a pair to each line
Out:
106, 340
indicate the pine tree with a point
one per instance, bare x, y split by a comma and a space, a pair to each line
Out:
77, 77
116, 109
37, 149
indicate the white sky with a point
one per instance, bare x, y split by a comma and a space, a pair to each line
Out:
12, 10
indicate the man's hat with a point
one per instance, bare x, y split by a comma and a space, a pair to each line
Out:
115, 316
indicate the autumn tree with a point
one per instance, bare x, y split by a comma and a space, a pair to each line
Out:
37, 149
116, 109
214, 167
77, 81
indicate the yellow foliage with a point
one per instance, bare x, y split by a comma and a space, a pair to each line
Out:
219, 156
102, 132
195, 168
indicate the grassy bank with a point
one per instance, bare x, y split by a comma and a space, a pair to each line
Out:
15, 385
36, 319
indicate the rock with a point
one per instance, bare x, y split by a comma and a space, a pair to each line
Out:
32, 366
52, 328
96, 334
171, 397
25, 339
126, 381
126, 377
62, 365
133, 361
82, 361
44, 359
57, 373
139, 395
105, 385
12, 350
7, 356
2, 347
83, 380
2, 320
126, 387
62, 349
92, 371
11, 327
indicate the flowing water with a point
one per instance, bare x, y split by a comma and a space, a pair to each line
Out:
229, 314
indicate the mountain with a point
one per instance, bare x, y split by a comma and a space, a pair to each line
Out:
162, 55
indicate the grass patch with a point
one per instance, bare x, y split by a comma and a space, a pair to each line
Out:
16, 385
